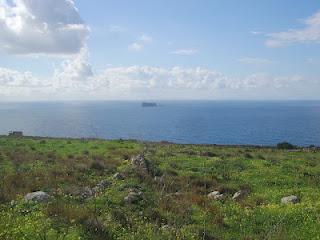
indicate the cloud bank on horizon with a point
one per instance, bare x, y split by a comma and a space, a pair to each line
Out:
54, 29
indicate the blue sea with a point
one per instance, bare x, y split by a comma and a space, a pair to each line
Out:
201, 122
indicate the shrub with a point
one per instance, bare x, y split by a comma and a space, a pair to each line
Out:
97, 165
96, 229
248, 155
67, 212
208, 154
285, 145
86, 152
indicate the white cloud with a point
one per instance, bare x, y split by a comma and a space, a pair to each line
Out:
309, 34
17, 84
256, 32
145, 38
263, 81
139, 45
185, 52
76, 80
12, 78
51, 27
136, 47
255, 61
74, 73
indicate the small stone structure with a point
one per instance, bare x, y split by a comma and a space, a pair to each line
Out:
15, 134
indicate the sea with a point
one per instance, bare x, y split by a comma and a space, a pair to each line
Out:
196, 122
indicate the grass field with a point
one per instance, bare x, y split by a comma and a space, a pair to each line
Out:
170, 191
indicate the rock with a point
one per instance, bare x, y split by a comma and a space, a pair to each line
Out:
134, 196
166, 227
38, 196
118, 176
290, 199
73, 190
86, 193
178, 194
102, 185
215, 195
140, 163
158, 179
239, 195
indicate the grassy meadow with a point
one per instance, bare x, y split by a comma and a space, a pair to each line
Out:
173, 189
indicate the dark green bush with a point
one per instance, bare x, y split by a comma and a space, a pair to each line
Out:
286, 145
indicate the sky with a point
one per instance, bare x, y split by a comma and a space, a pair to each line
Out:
159, 50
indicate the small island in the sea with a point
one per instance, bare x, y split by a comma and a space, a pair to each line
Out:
149, 104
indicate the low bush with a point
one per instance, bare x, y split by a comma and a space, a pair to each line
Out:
286, 145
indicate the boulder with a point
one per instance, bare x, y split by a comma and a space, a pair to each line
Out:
102, 185
86, 193
140, 163
38, 196
290, 199
134, 196
118, 176
158, 179
239, 195
215, 195
166, 227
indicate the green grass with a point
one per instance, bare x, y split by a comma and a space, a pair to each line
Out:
175, 208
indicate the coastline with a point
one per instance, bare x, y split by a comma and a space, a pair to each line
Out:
164, 142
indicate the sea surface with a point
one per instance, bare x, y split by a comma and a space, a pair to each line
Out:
205, 122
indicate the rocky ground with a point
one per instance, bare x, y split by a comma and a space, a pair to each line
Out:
95, 189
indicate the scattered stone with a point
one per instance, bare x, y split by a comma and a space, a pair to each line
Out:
86, 193
290, 199
178, 194
134, 196
38, 196
101, 186
166, 227
140, 163
118, 176
239, 195
215, 195
73, 190
158, 179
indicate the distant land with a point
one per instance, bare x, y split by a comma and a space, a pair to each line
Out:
149, 104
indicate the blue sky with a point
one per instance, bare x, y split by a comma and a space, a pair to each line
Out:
219, 30
181, 49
